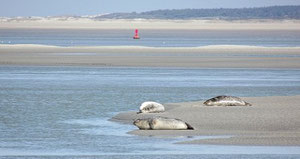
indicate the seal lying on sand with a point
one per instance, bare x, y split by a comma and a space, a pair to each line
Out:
226, 101
161, 123
151, 107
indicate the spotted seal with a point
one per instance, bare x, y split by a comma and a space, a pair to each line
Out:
162, 123
151, 107
226, 101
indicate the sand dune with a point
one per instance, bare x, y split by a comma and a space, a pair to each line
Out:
86, 23
270, 121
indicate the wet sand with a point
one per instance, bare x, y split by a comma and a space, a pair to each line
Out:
271, 121
218, 56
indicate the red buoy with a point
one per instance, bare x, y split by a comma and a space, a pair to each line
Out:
136, 35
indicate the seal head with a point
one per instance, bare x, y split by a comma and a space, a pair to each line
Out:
142, 124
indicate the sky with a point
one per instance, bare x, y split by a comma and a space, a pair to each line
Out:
12, 8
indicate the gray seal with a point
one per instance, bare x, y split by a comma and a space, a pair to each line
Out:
226, 101
151, 107
162, 123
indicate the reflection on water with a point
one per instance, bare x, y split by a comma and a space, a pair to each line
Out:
65, 110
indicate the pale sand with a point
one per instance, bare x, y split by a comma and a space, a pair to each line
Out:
86, 23
219, 56
273, 121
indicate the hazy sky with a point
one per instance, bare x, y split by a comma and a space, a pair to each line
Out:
92, 7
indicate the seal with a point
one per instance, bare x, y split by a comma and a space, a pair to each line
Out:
162, 123
151, 107
226, 101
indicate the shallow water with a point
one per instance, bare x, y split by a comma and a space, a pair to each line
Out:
55, 112
153, 38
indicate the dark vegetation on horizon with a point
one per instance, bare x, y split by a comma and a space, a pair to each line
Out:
274, 12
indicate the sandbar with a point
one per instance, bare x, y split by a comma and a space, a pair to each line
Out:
271, 121
214, 56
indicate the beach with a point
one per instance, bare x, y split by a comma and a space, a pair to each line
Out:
215, 56
270, 121
205, 24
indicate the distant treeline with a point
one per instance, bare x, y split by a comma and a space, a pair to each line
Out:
274, 12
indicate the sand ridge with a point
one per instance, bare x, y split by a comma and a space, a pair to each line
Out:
214, 56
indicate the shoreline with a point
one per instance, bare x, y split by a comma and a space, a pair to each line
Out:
203, 24
271, 121
214, 56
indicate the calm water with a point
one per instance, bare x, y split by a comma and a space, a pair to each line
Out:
161, 38
63, 112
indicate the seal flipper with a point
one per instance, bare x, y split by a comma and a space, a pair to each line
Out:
189, 127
